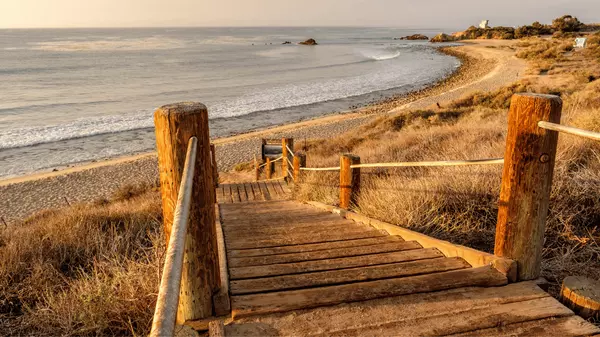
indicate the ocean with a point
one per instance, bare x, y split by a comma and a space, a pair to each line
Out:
76, 95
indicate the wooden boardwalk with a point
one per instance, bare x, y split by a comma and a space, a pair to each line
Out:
296, 270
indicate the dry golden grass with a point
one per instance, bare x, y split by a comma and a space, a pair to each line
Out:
83, 270
459, 204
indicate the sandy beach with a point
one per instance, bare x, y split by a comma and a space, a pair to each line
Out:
487, 65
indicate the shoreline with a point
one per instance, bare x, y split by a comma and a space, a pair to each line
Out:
466, 63
24, 195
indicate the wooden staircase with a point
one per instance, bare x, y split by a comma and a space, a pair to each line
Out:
295, 269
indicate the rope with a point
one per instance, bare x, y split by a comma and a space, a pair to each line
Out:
289, 162
289, 150
319, 168
291, 174
434, 163
569, 130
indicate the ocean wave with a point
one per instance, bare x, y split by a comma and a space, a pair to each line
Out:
77, 129
150, 43
381, 54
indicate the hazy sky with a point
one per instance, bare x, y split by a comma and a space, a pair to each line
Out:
396, 13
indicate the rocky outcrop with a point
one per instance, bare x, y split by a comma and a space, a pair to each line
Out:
309, 42
413, 37
287, 42
443, 38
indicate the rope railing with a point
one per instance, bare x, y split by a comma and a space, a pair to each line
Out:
569, 130
490, 161
272, 161
165, 314
290, 150
319, 169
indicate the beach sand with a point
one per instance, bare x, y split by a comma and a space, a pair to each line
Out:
487, 65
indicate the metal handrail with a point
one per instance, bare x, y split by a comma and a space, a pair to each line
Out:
434, 163
165, 314
569, 130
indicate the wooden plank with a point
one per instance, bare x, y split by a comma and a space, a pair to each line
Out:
285, 220
333, 264
324, 254
564, 326
242, 191
272, 191
235, 193
267, 232
275, 241
265, 190
246, 305
216, 329
291, 227
285, 187
279, 185
258, 196
311, 247
229, 187
324, 320
470, 320
288, 282
250, 192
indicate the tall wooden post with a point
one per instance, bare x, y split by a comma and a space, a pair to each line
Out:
349, 180
285, 143
299, 161
269, 168
214, 164
175, 125
526, 181
256, 169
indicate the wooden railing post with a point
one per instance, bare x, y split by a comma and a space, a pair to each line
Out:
349, 180
256, 169
527, 181
299, 161
269, 168
214, 164
285, 143
175, 125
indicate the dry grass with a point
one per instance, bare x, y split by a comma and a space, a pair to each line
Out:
460, 204
83, 270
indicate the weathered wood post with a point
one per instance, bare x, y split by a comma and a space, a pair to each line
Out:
256, 169
175, 125
214, 164
269, 168
349, 180
526, 181
299, 161
582, 295
285, 143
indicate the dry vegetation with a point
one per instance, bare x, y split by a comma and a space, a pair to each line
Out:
83, 270
460, 204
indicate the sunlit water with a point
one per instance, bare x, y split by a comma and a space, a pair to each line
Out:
68, 96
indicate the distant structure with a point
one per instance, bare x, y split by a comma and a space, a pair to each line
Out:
580, 42
484, 24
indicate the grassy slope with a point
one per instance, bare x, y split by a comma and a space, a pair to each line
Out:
83, 270
460, 204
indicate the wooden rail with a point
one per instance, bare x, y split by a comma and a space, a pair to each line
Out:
569, 130
165, 313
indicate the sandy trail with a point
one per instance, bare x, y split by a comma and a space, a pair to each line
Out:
22, 196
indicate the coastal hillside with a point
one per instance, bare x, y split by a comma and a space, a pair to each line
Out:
459, 204
94, 268
566, 26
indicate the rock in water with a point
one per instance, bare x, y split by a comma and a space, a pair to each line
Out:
443, 38
287, 42
414, 37
309, 42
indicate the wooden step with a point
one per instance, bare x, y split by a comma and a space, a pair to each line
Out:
311, 247
376, 312
323, 254
281, 240
333, 264
246, 305
298, 281
267, 232
306, 221
569, 326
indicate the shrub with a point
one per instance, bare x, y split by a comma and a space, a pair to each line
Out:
566, 23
